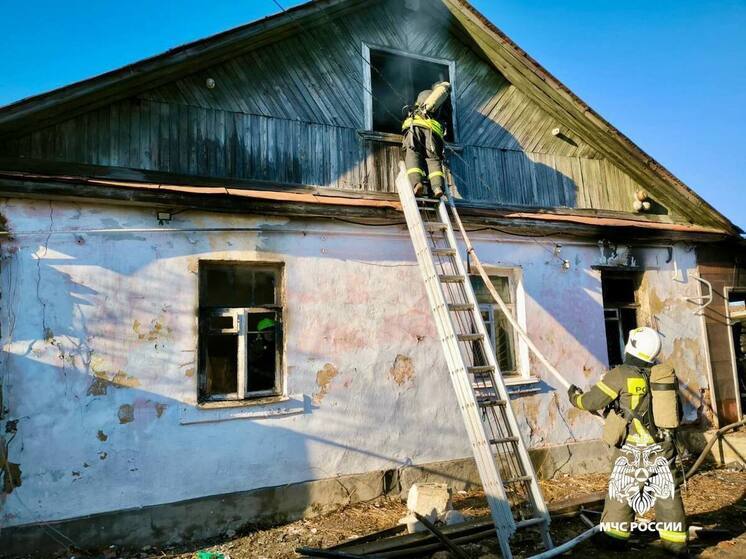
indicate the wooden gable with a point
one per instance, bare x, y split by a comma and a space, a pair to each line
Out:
292, 111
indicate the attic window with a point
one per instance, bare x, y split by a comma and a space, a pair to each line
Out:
395, 81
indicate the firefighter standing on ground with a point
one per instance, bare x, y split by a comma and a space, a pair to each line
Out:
643, 410
424, 146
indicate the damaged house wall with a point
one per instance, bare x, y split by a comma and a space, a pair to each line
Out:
100, 324
670, 302
100, 354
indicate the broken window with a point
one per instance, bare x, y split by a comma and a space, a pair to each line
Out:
498, 328
240, 330
620, 311
395, 81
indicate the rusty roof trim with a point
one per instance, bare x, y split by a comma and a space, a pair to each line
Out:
320, 197
542, 86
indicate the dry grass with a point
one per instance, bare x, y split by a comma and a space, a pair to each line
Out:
712, 498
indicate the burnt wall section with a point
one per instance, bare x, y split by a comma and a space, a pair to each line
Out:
291, 112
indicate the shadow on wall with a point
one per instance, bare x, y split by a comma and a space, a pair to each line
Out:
125, 441
94, 397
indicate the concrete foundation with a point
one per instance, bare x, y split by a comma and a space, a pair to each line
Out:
199, 519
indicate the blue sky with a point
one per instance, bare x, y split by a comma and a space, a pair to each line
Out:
670, 74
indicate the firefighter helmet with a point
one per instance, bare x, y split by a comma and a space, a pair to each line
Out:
644, 343
265, 324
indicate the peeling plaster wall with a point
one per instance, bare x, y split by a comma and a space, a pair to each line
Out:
664, 291
99, 354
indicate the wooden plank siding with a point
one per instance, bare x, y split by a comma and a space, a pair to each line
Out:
723, 266
290, 111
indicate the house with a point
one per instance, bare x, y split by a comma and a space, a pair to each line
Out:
211, 311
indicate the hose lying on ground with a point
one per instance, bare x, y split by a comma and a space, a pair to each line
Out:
716, 437
569, 544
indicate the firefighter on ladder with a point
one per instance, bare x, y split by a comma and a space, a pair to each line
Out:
643, 410
424, 146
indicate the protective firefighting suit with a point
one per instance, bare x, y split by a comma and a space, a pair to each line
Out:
424, 147
625, 392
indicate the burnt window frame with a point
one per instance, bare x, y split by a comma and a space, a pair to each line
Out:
368, 89
240, 328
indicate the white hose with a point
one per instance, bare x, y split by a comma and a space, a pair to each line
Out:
560, 549
505, 310
496, 296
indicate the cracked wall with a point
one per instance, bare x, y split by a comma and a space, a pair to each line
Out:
100, 337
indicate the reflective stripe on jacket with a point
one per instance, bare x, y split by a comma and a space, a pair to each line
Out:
430, 123
628, 384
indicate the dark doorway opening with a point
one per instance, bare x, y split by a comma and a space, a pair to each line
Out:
620, 311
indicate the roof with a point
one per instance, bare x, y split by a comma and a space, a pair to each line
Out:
516, 65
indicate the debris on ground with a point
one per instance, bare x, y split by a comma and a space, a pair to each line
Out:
713, 499
431, 500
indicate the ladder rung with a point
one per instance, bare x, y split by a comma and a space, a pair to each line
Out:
456, 307
487, 401
444, 252
431, 201
447, 278
517, 479
433, 226
530, 522
469, 337
480, 369
504, 440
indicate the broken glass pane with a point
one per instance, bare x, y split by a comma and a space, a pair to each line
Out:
221, 323
504, 346
221, 364
229, 284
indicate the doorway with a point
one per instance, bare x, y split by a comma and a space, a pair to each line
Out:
737, 321
620, 310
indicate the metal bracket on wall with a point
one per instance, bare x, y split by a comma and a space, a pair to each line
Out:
703, 301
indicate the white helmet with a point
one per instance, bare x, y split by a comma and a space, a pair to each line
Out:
644, 343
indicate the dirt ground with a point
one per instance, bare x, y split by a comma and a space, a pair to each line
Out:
713, 498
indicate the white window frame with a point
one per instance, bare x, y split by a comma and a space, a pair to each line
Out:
368, 81
240, 317
518, 305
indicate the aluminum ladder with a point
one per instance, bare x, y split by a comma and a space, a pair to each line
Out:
508, 477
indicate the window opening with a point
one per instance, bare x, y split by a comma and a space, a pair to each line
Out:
396, 79
240, 330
